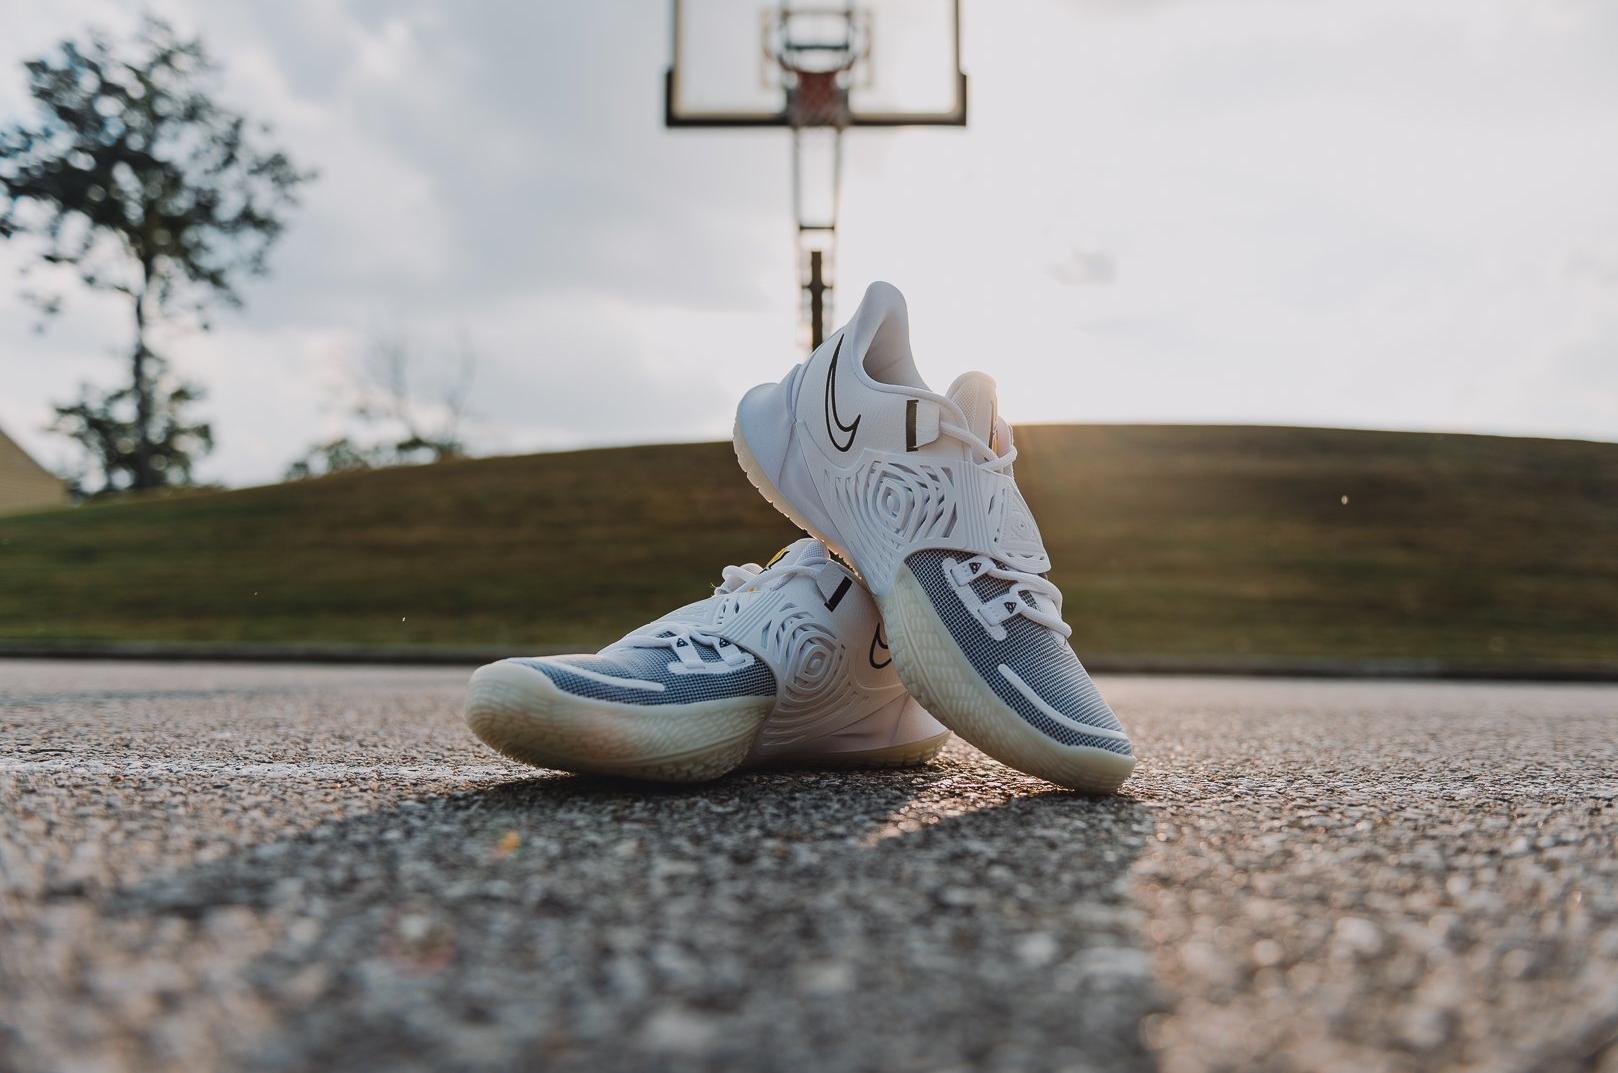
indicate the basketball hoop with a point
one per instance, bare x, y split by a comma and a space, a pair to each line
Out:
817, 68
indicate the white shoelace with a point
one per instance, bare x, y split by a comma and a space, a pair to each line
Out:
683, 637
1010, 602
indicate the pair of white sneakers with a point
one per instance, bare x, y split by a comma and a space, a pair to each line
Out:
947, 620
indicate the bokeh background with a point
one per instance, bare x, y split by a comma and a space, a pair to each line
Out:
1168, 224
1368, 214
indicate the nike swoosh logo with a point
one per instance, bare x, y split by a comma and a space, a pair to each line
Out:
877, 640
832, 417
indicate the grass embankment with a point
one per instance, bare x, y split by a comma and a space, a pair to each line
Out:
1170, 541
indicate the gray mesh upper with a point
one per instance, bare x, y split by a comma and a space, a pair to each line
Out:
1040, 657
652, 665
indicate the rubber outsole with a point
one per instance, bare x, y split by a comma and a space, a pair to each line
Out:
937, 674
522, 714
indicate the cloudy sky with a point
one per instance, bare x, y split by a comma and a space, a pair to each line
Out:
1334, 212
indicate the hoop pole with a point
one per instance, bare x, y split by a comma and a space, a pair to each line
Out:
816, 240
817, 302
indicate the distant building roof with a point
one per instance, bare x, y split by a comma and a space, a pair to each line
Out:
24, 483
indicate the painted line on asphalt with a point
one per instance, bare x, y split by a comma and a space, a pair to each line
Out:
435, 772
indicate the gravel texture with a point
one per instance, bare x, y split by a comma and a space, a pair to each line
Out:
288, 868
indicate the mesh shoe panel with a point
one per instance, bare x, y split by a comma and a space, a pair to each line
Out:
1042, 658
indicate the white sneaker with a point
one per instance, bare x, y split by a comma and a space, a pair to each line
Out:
916, 490
782, 664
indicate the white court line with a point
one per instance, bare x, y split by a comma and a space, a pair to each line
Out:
445, 772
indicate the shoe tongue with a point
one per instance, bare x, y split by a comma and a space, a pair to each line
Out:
975, 394
805, 552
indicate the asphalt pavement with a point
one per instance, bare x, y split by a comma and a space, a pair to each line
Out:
220, 866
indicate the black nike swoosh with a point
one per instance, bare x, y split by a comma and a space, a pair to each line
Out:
878, 639
831, 406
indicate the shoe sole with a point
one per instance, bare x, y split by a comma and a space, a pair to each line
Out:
522, 714
936, 672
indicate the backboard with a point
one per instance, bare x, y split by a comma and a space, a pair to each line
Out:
864, 63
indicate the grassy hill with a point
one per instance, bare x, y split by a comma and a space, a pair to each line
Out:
1173, 541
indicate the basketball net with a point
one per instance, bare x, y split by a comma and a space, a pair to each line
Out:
817, 99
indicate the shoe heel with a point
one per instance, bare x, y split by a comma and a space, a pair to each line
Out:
763, 442
764, 428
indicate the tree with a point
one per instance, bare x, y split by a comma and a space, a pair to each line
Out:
104, 424
415, 427
135, 179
